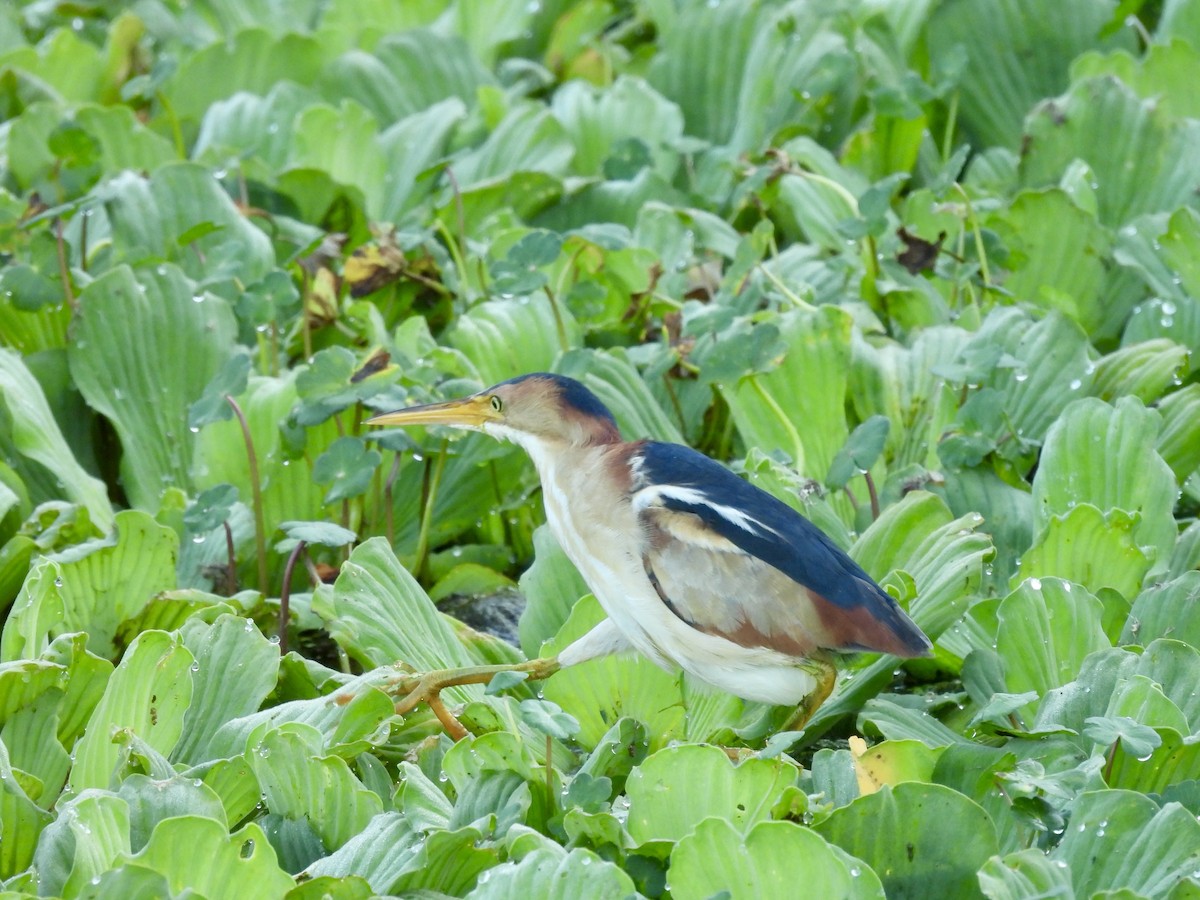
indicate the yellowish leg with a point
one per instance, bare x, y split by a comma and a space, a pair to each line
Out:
826, 674
416, 688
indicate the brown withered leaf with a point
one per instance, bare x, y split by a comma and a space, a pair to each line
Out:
918, 255
376, 362
373, 266
321, 299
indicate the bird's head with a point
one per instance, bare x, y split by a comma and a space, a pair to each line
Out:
538, 408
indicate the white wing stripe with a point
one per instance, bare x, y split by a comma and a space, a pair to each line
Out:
655, 494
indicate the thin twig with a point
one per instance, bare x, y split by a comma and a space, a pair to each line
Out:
260, 537
285, 595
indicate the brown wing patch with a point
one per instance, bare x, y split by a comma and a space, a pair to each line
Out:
856, 628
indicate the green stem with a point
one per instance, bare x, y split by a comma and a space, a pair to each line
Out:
435, 479
285, 594
793, 434
260, 536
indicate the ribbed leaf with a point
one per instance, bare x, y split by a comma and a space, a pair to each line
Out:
1090, 548
548, 870
1144, 370
1047, 628
768, 861
1105, 456
216, 863
21, 821
92, 587
799, 406
302, 786
1120, 839
182, 338
1016, 53
1179, 438
1140, 157
922, 840
1167, 610
505, 338
36, 435
148, 693
664, 805
90, 835
234, 671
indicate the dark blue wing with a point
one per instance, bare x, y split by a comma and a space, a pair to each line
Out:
698, 507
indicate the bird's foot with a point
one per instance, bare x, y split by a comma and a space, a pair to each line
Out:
826, 675
416, 688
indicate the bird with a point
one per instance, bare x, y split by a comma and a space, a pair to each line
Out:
695, 568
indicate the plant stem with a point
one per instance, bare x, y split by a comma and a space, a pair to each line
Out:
231, 566
434, 479
64, 270
874, 495
285, 594
260, 537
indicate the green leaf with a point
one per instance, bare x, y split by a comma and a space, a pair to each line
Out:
210, 509
229, 381
1047, 627
506, 338
148, 693
1105, 455
1015, 56
151, 801
93, 587
921, 839
90, 835
304, 787
860, 452
1088, 547
1138, 740
1144, 172
36, 436
1144, 370
347, 467
182, 338
161, 218
380, 615
1179, 439
769, 860
235, 668
663, 802
217, 863
324, 534
1028, 873
21, 819
549, 870
800, 405
1120, 839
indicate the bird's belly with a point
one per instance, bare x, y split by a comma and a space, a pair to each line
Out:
610, 561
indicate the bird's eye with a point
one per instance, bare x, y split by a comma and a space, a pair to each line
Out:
497, 404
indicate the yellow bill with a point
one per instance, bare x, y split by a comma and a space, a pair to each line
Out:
470, 412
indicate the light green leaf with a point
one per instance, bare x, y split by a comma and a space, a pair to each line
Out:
506, 338
1091, 548
1146, 171
550, 587
1179, 439
799, 406
664, 804
302, 786
597, 121
36, 435
151, 800
1105, 455
921, 839
21, 821
183, 336
93, 587
1144, 370
1120, 839
1024, 875
550, 871
1056, 254
90, 835
235, 669
381, 852
217, 863
1016, 53
180, 214
769, 860
1047, 628
148, 693
379, 613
